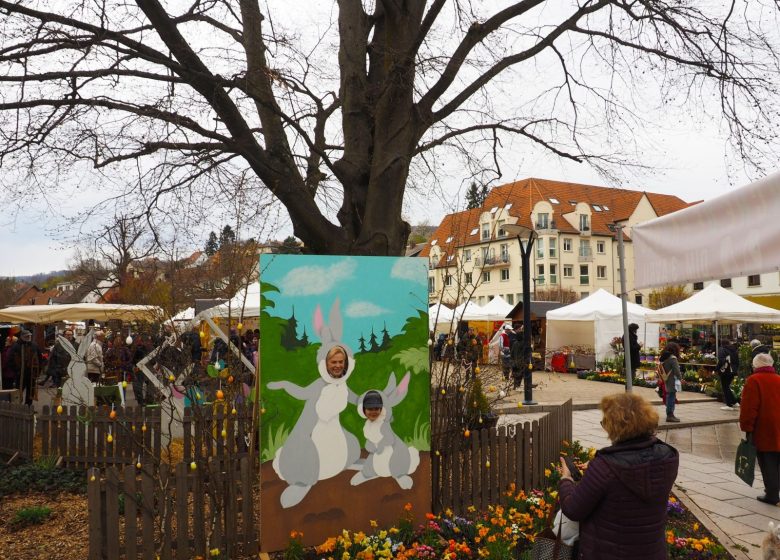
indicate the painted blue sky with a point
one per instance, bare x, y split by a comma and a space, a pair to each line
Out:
373, 291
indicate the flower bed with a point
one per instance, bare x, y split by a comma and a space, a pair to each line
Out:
503, 532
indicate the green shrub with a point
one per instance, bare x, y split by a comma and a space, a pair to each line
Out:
34, 515
35, 477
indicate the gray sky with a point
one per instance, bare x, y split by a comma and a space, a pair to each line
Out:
685, 153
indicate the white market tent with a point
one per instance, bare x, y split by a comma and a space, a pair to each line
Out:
79, 312
595, 321
714, 303
497, 309
732, 235
469, 311
246, 303
439, 314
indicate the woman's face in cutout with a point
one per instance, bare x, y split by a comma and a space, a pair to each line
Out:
335, 364
372, 413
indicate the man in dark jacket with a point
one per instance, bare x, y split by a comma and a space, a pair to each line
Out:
632, 347
26, 359
727, 368
621, 500
519, 356
59, 359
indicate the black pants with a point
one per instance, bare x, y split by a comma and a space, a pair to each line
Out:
728, 394
769, 462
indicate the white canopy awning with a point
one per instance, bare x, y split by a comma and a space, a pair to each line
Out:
729, 236
185, 315
595, 321
714, 303
439, 314
80, 312
497, 309
469, 311
245, 303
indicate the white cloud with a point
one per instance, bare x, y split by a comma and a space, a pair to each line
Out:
316, 280
364, 309
412, 268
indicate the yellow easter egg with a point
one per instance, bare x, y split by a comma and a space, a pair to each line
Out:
193, 465
234, 411
466, 433
59, 409
224, 433
109, 438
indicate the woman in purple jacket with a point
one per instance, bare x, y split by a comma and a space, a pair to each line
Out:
621, 500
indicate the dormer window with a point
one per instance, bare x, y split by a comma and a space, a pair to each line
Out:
542, 220
485, 231
584, 222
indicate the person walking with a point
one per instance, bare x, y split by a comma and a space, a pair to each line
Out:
669, 359
633, 347
505, 350
94, 357
621, 500
727, 367
26, 360
59, 359
759, 418
10, 375
519, 356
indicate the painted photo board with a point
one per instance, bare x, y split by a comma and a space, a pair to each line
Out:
345, 381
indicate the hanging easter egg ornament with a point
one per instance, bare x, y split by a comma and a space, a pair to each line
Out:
109, 438
220, 395
59, 409
193, 466
466, 433
202, 334
240, 326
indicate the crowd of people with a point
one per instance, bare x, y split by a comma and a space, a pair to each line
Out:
112, 358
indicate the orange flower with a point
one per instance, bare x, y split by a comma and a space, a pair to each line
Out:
408, 506
430, 516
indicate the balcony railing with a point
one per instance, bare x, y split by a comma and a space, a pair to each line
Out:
501, 260
585, 256
585, 231
546, 227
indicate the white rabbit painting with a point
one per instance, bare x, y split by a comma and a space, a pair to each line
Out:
336, 331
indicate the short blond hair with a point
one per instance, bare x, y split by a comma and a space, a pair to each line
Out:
627, 416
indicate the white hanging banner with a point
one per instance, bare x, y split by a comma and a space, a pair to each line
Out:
735, 234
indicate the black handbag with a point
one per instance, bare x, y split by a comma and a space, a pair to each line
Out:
548, 545
745, 462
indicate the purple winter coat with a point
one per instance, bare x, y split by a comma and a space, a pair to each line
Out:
621, 500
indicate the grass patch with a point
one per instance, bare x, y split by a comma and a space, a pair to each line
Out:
34, 515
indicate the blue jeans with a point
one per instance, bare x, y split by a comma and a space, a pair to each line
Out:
671, 395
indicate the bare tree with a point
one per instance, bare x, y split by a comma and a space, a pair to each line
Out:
337, 127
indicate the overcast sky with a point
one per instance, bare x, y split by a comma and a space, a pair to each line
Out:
686, 156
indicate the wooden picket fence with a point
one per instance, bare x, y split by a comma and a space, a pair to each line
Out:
214, 431
80, 435
18, 429
132, 516
477, 471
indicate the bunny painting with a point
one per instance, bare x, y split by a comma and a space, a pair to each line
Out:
388, 454
318, 447
78, 389
335, 328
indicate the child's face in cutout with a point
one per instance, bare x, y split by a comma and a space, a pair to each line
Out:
372, 413
335, 365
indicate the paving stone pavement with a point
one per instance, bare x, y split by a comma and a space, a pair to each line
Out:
706, 438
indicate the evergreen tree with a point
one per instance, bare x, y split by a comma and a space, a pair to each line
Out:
304, 338
362, 343
227, 237
385, 339
289, 246
475, 196
289, 338
373, 346
212, 245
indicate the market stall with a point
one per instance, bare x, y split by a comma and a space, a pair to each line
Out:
595, 322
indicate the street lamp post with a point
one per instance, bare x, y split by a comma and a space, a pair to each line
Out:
617, 228
525, 254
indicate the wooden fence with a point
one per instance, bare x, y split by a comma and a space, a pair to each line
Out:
216, 431
478, 470
132, 517
80, 435
16, 434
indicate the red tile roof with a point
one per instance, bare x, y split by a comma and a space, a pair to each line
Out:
616, 204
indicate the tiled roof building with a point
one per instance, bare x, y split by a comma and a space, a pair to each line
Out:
472, 257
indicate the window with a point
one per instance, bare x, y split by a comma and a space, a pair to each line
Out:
601, 272
481, 301
485, 253
584, 276
553, 247
600, 247
553, 273
568, 271
448, 280
597, 208
485, 231
510, 299
754, 280
698, 285
500, 226
467, 255
448, 240
584, 222
542, 220
431, 284
567, 244
554, 201
725, 283
486, 276
504, 274
540, 274
638, 299
583, 295
540, 248
467, 278
585, 248
504, 252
